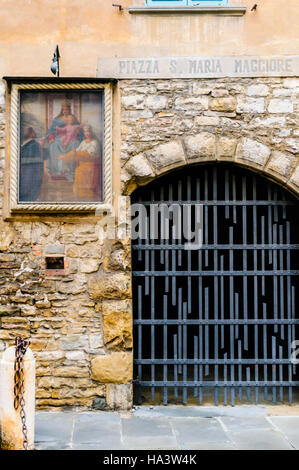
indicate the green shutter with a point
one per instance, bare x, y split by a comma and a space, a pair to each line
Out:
171, 3
167, 3
203, 3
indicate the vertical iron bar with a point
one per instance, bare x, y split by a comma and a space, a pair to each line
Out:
248, 380
153, 330
225, 380
200, 312
231, 299
173, 283
179, 218
255, 289
293, 326
240, 369
222, 300
180, 306
275, 284
153, 371
289, 309
206, 192
185, 353
265, 347
226, 183
280, 374
188, 208
200, 266
175, 355
173, 252
201, 366
270, 223
245, 280
140, 252
165, 350
263, 252
215, 241
206, 329
139, 341
237, 313
234, 199
275, 207
162, 228
281, 281
274, 369
195, 394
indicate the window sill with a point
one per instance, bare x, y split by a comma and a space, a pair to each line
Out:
224, 11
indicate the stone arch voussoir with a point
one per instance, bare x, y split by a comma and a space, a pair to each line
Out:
204, 147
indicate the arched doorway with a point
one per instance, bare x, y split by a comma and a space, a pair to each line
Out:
216, 323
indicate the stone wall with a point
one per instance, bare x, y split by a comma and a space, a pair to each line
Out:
80, 323
172, 123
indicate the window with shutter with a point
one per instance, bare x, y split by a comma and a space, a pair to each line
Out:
167, 3
186, 2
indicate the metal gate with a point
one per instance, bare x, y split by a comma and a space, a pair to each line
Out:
218, 322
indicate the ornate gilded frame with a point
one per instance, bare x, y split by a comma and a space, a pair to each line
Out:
15, 205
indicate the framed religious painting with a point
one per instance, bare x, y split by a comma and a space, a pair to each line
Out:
61, 147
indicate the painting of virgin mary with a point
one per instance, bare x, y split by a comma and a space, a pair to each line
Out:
66, 144
56, 146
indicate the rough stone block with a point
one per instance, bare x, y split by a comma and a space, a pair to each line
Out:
192, 104
250, 105
258, 90
6, 236
110, 286
2, 94
112, 306
201, 146
226, 147
89, 265
219, 92
291, 82
278, 106
226, 104
73, 342
115, 368
119, 396
96, 341
118, 330
167, 155
252, 151
133, 101
156, 102
294, 180
199, 89
139, 167
206, 121
292, 145
270, 121
54, 249
281, 164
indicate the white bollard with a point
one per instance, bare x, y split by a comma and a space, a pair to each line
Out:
11, 436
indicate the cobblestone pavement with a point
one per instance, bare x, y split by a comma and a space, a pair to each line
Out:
169, 428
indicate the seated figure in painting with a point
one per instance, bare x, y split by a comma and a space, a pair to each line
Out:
88, 172
62, 140
70, 132
31, 167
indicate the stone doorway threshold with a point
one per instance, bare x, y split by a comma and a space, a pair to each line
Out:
171, 428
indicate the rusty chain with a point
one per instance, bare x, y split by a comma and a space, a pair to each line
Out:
19, 389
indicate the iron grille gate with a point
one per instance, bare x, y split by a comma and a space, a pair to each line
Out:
217, 322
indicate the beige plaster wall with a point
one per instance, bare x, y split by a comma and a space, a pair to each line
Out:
30, 30
81, 324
